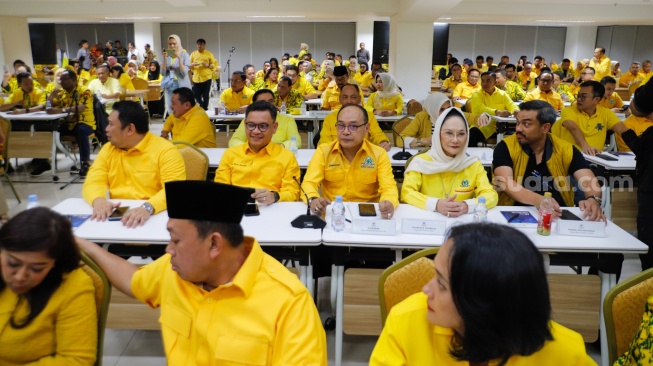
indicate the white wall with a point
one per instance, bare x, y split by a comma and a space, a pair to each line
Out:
411, 52
149, 33
15, 43
365, 34
580, 42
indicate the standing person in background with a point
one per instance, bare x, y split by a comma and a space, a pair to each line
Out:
362, 54
61, 55
601, 64
133, 51
174, 66
203, 64
84, 52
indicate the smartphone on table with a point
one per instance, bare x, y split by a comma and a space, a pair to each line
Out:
118, 213
366, 210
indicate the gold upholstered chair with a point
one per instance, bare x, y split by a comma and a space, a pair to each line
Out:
102, 300
195, 160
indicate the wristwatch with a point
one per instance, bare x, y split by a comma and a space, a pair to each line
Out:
597, 198
276, 196
148, 207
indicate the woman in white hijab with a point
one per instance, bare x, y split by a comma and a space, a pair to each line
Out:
174, 66
387, 100
445, 179
417, 135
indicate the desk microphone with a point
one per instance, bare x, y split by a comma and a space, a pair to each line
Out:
307, 221
402, 155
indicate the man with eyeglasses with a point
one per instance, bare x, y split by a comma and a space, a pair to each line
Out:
331, 95
261, 164
545, 92
238, 97
300, 84
586, 74
351, 167
350, 95
188, 122
286, 125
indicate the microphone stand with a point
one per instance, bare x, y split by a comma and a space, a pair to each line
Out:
307, 221
231, 52
403, 154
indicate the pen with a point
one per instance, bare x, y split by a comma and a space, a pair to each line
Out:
513, 217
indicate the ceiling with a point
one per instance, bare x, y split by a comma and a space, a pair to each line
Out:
527, 12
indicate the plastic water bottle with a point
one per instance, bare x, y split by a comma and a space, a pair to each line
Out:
33, 201
302, 108
480, 212
221, 108
404, 112
546, 215
283, 108
48, 104
338, 215
293, 146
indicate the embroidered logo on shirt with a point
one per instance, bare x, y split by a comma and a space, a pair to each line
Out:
367, 163
464, 183
599, 126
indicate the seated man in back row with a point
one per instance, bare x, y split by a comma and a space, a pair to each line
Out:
269, 168
188, 122
545, 92
238, 97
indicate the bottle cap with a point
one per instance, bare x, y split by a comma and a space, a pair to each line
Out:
33, 197
547, 194
481, 199
338, 198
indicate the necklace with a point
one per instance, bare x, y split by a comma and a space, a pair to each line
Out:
446, 192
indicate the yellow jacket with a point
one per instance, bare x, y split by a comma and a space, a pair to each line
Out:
409, 339
303, 86
368, 178
329, 132
424, 190
138, 173
64, 333
365, 80
602, 68
194, 127
394, 103
273, 167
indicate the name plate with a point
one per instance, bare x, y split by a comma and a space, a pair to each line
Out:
374, 227
581, 228
423, 227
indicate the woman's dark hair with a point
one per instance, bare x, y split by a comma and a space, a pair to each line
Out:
35, 230
154, 75
276, 62
267, 74
500, 289
363, 64
118, 68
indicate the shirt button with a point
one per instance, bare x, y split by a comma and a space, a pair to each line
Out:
209, 301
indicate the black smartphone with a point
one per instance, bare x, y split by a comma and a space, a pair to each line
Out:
625, 108
252, 210
118, 213
567, 215
366, 209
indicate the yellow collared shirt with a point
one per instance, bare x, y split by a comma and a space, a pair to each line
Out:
614, 101
111, 86
527, 78
233, 100
194, 127
273, 167
465, 90
394, 103
33, 99
646, 76
628, 78
451, 83
264, 316
203, 73
367, 178
638, 125
303, 86
365, 80
329, 132
331, 96
602, 68
138, 173
286, 129
594, 127
552, 97
482, 102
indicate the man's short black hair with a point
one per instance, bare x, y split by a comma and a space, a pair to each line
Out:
242, 74
545, 112
130, 112
23, 75
292, 67
489, 73
82, 42
480, 57
247, 66
184, 95
19, 62
262, 91
286, 79
511, 66
489, 58
201, 41
453, 60
566, 60
608, 80
260, 106
232, 232
602, 49
538, 57
598, 90
360, 108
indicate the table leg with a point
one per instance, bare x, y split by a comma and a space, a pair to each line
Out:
302, 276
334, 288
607, 200
339, 313
55, 145
309, 275
608, 280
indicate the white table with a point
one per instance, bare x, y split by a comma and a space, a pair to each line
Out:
624, 165
40, 118
502, 123
271, 229
616, 241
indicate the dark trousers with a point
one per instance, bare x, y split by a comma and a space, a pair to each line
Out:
201, 92
81, 132
645, 226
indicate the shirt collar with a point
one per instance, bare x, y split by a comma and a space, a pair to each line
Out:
548, 149
140, 147
188, 113
246, 275
268, 149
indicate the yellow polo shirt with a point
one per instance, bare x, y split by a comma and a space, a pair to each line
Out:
273, 167
368, 178
286, 129
394, 103
194, 127
628, 78
303, 86
482, 102
451, 83
552, 97
138, 173
409, 339
365, 80
638, 125
331, 96
646, 76
111, 86
33, 99
465, 90
264, 316
203, 73
614, 101
594, 127
329, 131
523, 78
233, 100
602, 68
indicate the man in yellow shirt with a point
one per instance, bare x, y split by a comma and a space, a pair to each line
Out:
463, 91
286, 125
26, 98
646, 72
106, 88
527, 77
480, 63
566, 69
250, 77
538, 64
135, 165
601, 64
223, 300
585, 124
300, 84
545, 92
631, 77
511, 74
350, 95
269, 168
286, 94
514, 90
188, 121
490, 99
331, 95
638, 125
237, 98
351, 167
451, 82
612, 100
202, 63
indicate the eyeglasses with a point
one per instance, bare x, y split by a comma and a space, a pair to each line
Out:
352, 128
582, 97
450, 135
546, 80
587, 73
261, 126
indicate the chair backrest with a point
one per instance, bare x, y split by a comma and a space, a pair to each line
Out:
195, 160
5, 126
140, 84
102, 300
405, 278
398, 126
423, 151
623, 308
413, 107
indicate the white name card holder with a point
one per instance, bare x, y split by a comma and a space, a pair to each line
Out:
581, 228
423, 227
374, 227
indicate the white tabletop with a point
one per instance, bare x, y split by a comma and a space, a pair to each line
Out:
624, 162
484, 154
316, 101
271, 228
34, 116
616, 240
510, 119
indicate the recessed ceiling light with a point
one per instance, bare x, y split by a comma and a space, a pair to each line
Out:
444, 18
132, 18
276, 16
563, 21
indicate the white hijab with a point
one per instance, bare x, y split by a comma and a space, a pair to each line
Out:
179, 48
441, 161
433, 103
389, 85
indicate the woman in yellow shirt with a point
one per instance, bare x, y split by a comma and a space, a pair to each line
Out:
271, 79
364, 76
154, 74
488, 304
445, 179
117, 72
48, 314
387, 100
